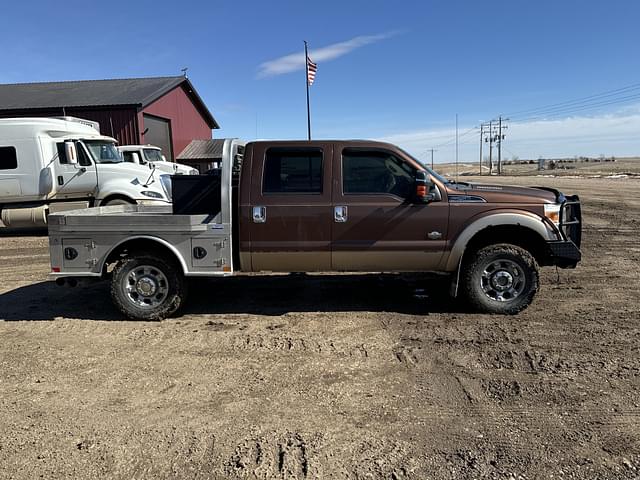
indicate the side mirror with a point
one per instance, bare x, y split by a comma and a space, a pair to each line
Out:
164, 159
71, 152
135, 158
421, 193
425, 190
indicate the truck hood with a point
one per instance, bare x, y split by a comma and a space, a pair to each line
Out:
130, 171
173, 168
505, 193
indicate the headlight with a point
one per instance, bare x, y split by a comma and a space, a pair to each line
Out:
552, 212
165, 180
152, 194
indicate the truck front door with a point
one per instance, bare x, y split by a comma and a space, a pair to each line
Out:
74, 180
291, 215
376, 224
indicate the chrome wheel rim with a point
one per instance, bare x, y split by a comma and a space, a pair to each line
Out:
503, 280
146, 286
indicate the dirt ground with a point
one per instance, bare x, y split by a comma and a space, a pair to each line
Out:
340, 376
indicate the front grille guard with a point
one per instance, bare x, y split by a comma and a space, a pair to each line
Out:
571, 219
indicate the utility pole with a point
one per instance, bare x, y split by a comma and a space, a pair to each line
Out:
500, 138
500, 145
432, 150
490, 148
493, 131
481, 139
456, 147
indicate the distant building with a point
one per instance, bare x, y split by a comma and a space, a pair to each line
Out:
202, 154
163, 111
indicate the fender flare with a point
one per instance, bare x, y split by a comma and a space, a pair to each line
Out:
164, 243
512, 218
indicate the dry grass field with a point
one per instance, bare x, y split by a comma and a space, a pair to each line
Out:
591, 169
331, 376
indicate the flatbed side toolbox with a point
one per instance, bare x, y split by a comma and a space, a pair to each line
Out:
197, 194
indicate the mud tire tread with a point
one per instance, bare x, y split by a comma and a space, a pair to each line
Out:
471, 269
177, 288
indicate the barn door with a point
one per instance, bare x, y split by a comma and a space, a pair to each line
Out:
158, 132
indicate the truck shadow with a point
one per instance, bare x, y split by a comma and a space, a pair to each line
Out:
22, 232
251, 294
280, 294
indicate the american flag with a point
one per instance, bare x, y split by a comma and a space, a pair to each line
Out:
311, 71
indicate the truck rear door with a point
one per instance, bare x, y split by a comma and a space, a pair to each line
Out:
291, 214
376, 227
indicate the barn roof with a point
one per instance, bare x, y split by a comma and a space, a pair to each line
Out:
139, 92
202, 150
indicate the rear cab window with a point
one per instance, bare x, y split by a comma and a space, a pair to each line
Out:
292, 170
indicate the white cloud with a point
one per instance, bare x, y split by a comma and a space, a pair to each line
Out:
295, 61
615, 134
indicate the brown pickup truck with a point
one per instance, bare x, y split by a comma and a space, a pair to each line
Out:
322, 206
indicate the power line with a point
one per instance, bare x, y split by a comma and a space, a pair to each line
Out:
571, 110
607, 93
453, 139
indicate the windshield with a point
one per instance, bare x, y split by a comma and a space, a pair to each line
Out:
153, 155
103, 151
439, 177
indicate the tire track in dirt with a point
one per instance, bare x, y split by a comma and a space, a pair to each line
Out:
297, 344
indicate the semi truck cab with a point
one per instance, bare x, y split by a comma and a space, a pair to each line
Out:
151, 156
51, 164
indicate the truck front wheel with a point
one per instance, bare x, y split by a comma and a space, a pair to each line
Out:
500, 279
117, 201
147, 287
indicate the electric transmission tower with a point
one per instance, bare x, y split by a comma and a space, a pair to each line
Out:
493, 132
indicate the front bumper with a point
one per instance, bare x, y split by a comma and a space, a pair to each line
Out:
565, 253
152, 201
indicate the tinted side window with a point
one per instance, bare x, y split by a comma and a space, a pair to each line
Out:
128, 157
371, 172
8, 158
292, 171
62, 153
83, 157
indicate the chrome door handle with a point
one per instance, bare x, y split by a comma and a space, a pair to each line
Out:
259, 214
340, 214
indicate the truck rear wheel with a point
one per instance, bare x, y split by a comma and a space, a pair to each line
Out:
500, 279
147, 287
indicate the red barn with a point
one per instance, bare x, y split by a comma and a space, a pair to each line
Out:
163, 111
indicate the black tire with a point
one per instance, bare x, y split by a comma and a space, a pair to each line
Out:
148, 287
500, 279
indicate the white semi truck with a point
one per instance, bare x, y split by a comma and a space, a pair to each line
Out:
56, 164
151, 156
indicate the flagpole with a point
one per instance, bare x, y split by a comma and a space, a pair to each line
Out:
306, 82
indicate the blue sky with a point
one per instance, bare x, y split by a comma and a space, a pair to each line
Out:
398, 71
